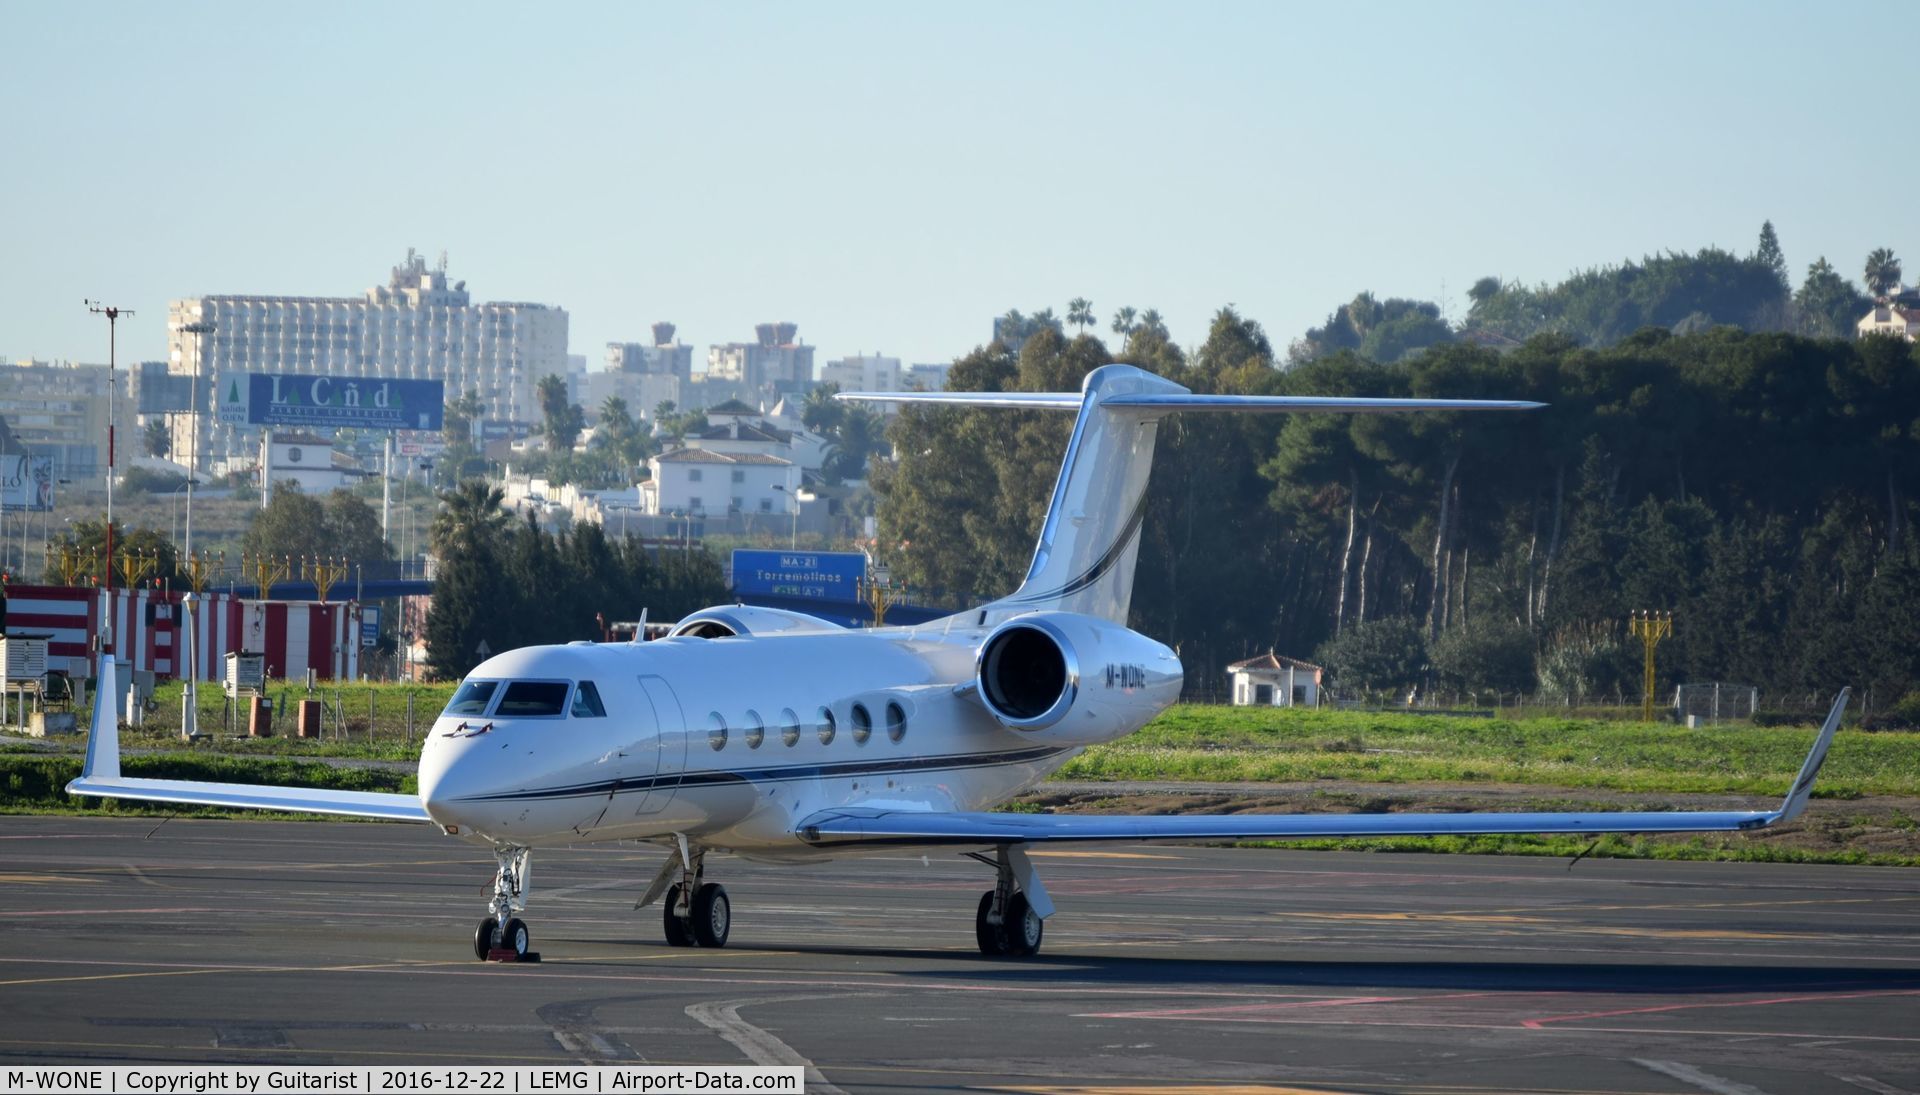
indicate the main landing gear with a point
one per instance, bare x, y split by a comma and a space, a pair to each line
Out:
1011, 918
696, 913
503, 930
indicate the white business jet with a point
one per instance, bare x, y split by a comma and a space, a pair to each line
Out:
774, 735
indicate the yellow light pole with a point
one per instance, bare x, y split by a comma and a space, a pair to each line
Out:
877, 591
265, 570
1649, 628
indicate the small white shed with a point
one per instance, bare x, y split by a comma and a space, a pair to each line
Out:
1272, 680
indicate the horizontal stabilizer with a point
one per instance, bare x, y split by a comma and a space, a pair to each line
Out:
1310, 404
1168, 403
1019, 401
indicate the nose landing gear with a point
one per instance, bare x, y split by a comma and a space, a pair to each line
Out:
503, 935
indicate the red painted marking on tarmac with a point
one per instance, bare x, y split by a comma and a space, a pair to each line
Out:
1536, 1024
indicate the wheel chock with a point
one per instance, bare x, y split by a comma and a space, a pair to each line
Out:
504, 954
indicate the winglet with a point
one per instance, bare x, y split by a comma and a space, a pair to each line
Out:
103, 737
1796, 800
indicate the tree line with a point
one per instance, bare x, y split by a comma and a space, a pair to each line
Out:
1756, 484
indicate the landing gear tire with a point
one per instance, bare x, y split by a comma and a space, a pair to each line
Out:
712, 915
483, 938
1017, 935
516, 938
1021, 928
992, 939
679, 934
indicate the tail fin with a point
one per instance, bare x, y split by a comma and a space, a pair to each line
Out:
103, 737
1091, 537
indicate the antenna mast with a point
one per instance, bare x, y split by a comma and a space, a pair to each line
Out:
113, 315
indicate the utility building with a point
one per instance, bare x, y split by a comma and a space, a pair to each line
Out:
1271, 680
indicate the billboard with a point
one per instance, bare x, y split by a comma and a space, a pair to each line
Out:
26, 481
330, 402
822, 575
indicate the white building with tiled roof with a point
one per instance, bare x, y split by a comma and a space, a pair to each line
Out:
1899, 316
1273, 680
702, 481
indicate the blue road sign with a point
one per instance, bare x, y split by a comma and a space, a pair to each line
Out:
820, 575
334, 402
369, 625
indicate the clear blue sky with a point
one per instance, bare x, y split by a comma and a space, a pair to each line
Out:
890, 176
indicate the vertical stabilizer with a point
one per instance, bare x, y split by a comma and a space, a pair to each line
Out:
1085, 558
103, 737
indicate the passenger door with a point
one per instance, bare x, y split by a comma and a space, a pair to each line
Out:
670, 740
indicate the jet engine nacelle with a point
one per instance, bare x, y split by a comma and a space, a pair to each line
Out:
726, 621
1074, 679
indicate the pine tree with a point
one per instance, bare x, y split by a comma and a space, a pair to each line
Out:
1769, 253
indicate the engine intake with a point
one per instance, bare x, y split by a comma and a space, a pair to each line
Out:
1029, 675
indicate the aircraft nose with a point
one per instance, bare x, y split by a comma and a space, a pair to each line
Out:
451, 780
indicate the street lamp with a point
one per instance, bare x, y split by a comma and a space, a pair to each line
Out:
189, 696
113, 315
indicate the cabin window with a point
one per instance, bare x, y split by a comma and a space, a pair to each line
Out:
472, 699
756, 730
533, 700
896, 721
862, 724
826, 726
716, 731
586, 702
789, 728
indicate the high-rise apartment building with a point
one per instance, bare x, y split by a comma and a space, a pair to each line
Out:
863, 373
644, 375
774, 362
60, 410
418, 326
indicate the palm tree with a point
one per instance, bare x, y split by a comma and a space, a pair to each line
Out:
821, 412
1124, 322
158, 441
1883, 272
1080, 313
1150, 320
469, 516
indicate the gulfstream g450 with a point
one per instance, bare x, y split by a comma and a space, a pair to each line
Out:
775, 735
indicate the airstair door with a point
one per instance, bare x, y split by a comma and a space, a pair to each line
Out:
670, 723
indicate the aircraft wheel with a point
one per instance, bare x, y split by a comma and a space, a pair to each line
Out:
678, 933
992, 937
516, 938
483, 938
1022, 928
712, 915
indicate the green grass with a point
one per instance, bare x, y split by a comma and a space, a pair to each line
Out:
385, 737
1186, 743
1220, 744
1710, 848
37, 784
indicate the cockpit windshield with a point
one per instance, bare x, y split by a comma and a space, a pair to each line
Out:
472, 698
533, 699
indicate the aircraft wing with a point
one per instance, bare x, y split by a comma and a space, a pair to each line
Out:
856, 826
306, 800
100, 777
